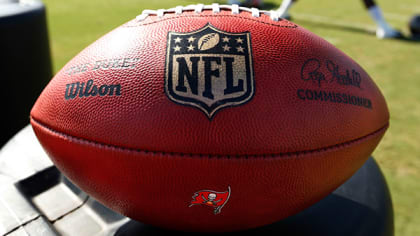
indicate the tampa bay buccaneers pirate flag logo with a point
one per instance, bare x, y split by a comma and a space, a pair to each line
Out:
209, 69
216, 200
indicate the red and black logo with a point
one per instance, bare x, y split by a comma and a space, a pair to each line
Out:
216, 200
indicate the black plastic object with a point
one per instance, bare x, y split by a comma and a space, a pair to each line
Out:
414, 26
25, 64
36, 199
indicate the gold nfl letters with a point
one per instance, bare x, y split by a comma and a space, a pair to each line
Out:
209, 69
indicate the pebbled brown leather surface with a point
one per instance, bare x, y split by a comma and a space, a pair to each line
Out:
144, 155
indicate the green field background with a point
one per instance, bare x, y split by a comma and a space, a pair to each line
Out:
393, 64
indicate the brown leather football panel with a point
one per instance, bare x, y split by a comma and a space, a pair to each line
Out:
157, 187
274, 121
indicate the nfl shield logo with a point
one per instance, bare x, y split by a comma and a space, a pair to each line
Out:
209, 69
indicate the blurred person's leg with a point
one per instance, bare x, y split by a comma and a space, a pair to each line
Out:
284, 8
384, 30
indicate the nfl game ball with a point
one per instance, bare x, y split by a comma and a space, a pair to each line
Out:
210, 118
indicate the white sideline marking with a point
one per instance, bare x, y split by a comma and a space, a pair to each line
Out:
413, 9
397, 17
334, 21
333, 41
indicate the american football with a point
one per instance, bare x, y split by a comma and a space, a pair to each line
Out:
210, 118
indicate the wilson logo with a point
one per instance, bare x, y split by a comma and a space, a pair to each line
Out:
82, 90
209, 69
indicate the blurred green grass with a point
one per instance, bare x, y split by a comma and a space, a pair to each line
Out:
393, 64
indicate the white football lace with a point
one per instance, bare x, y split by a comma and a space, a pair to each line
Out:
216, 8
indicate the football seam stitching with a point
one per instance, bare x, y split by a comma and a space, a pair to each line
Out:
298, 153
234, 16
